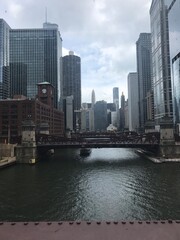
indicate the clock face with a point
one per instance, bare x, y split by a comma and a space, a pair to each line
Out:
44, 90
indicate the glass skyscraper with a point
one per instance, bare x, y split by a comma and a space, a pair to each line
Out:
71, 84
4, 59
144, 71
100, 116
162, 86
174, 39
35, 56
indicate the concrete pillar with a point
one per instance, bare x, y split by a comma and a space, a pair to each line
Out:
167, 147
167, 131
27, 152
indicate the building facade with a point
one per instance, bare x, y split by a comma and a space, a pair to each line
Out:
100, 116
4, 60
122, 113
116, 97
174, 40
69, 115
71, 83
144, 71
133, 99
162, 86
40, 110
35, 56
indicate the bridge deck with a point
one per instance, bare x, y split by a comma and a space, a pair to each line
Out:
165, 230
96, 145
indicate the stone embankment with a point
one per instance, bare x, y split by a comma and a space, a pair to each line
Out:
7, 161
155, 159
7, 155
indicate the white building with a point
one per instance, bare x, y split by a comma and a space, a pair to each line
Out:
133, 107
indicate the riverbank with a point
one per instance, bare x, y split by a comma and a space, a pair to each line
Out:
155, 159
7, 161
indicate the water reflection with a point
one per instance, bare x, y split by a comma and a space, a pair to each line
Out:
109, 184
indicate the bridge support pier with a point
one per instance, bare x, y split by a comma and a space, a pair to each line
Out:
27, 151
167, 147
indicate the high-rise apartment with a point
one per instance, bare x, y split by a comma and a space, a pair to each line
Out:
71, 84
144, 71
174, 40
4, 59
35, 56
133, 99
162, 86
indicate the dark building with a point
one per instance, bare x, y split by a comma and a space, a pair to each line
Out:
4, 60
111, 107
100, 116
71, 84
18, 72
40, 110
144, 71
122, 113
35, 56
116, 97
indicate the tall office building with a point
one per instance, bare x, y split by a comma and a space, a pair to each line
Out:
144, 71
100, 115
122, 112
93, 99
116, 97
4, 59
68, 109
162, 86
174, 40
133, 99
35, 56
71, 84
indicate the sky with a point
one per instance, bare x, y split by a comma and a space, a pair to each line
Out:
102, 32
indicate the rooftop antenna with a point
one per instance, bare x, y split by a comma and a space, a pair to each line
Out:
46, 15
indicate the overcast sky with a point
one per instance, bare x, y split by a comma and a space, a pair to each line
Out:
102, 32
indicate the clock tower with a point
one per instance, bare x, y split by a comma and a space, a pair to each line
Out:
46, 93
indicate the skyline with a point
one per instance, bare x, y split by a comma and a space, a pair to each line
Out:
103, 34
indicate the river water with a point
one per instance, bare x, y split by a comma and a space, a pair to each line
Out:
109, 184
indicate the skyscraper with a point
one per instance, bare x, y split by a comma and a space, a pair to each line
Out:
71, 84
100, 115
122, 112
174, 40
35, 56
161, 60
144, 71
4, 59
116, 97
133, 107
93, 99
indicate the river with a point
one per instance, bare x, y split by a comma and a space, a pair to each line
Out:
109, 184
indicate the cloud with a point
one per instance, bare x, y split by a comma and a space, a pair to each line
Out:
102, 32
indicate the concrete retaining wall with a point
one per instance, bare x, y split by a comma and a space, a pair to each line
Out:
7, 150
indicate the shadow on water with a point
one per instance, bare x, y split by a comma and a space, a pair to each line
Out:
100, 157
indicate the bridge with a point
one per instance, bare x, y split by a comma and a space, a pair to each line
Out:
99, 140
163, 144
